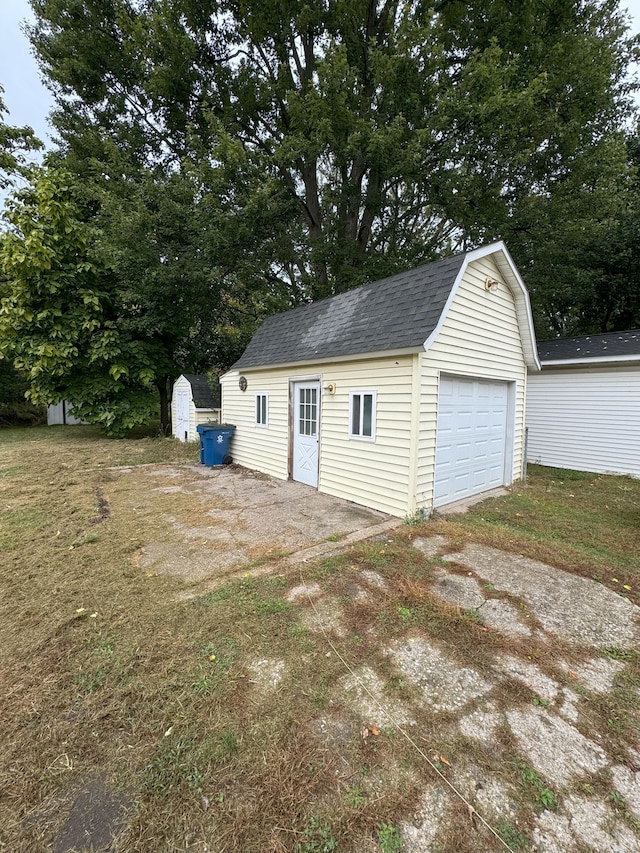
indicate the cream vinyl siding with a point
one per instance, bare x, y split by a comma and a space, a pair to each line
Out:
261, 448
196, 416
587, 419
372, 473
480, 338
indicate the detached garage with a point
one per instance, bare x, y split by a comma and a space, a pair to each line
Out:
193, 402
405, 394
583, 409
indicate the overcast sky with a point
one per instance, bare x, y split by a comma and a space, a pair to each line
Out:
28, 100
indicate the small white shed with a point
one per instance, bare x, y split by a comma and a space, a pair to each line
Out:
403, 394
61, 413
583, 409
193, 402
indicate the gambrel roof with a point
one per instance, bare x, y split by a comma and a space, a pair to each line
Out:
201, 392
602, 348
402, 312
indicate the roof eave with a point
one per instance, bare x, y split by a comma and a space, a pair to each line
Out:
328, 359
587, 362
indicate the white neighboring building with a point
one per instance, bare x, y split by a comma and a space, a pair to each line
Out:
61, 413
583, 409
193, 403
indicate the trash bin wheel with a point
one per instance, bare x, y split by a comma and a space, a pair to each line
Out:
227, 460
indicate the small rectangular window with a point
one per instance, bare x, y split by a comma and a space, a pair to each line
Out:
363, 415
261, 410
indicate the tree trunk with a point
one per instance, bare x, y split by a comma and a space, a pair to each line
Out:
165, 419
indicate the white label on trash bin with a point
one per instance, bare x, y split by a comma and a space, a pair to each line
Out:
220, 439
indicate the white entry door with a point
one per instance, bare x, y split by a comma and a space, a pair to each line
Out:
183, 398
306, 418
471, 440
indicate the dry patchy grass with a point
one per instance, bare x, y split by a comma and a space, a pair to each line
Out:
105, 672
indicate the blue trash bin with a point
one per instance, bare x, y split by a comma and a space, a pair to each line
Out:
214, 443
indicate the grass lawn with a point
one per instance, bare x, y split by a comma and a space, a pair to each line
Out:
220, 723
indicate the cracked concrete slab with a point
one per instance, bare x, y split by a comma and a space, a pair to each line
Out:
530, 675
504, 617
555, 747
627, 782
465, 592
368, 698
443, 683
419, 833
575, 608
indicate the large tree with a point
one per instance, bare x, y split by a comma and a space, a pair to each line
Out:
15, 145
398, 130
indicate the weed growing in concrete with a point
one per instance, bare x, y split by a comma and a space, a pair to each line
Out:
389, 838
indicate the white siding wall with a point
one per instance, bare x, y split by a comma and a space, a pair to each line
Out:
585, 419
479, 337
56, 414
375, 474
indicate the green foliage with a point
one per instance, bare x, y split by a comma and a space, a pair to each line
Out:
316, 838
15, 143
512, 837
330, 143
547, 798
57, 317
389, 838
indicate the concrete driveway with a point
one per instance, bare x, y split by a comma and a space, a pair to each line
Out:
218, 520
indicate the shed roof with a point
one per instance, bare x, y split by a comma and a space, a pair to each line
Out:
404, 311
607, 347
203, 395
394, 313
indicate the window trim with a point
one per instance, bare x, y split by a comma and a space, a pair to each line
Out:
264, 408
361, 394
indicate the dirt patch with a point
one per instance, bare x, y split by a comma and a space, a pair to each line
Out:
97, 816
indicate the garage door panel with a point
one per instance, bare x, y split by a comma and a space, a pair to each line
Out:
471, 438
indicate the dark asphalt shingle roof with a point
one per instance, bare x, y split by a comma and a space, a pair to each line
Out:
203, 396
606, 345
394, 313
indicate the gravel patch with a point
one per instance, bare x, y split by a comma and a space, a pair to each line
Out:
325, 616
627, 782
503, 617
594, 824
462, 591
373, 578
482, 723
266, 673
419, 833
596, 675
303, 590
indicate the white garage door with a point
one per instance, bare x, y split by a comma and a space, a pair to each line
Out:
471, 439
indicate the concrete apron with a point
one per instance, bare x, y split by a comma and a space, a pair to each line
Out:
243, 520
